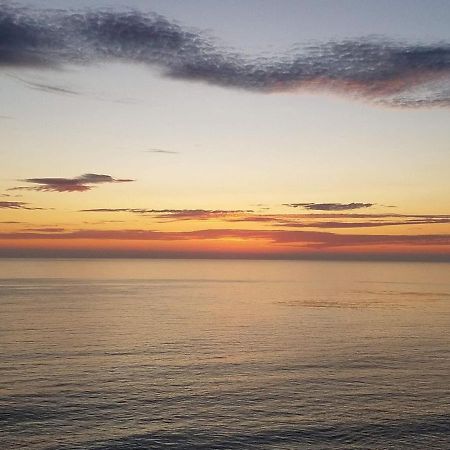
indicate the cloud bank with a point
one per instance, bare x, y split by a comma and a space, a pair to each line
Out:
382, 71
308, 239
78, 184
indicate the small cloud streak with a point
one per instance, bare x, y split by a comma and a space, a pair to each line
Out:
17, 205
78, 184
381, 71
45, 87
47, 230
165, 152
329, 206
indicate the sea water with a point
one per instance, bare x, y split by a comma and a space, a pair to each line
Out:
200, 354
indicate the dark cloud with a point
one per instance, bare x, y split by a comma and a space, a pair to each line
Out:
78, 184
389, 73
329, 206
17, 205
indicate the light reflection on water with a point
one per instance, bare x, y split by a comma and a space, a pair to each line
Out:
115, 354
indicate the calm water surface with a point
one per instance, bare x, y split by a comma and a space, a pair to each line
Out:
130, 354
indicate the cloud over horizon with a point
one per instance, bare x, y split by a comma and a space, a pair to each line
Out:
314, 240
384, 72
81, 183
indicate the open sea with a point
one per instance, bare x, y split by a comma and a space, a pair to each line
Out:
199, 354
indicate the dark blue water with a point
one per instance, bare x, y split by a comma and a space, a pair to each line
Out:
224, 355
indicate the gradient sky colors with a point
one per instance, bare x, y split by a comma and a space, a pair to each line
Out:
225, 129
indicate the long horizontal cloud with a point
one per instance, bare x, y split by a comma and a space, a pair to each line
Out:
385, 72
290, 222
312, 239
176, 214
329, 206
341, 220
78, 184
336, 225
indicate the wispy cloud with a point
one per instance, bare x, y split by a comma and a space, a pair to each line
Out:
198, 214
329, 206
59, 89
341, 220
385, 72
176, 214
78, 184
308, 220
374, 224
101, 222
17, 205
46, 87
47, 230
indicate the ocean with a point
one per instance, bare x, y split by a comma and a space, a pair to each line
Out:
202, 354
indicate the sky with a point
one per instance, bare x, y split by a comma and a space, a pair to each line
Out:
202, 128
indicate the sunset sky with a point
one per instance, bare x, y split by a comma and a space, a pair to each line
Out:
225, 128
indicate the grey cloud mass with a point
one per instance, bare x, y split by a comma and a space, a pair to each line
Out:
385, 72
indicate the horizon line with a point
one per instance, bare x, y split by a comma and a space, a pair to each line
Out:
444, 258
